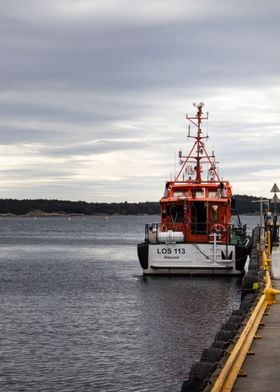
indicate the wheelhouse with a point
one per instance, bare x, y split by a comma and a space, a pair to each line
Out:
197, 210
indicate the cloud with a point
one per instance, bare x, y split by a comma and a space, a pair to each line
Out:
94, 94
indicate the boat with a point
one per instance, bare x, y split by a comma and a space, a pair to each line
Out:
195, 235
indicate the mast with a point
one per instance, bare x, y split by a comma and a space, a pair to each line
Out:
198, 153
198, 138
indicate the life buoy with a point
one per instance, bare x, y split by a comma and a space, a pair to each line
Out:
163, 227
219, 229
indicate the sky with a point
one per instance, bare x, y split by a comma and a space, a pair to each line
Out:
94, 93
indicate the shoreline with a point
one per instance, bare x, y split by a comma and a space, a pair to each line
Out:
41, 214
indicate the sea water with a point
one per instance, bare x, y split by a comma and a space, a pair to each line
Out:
76, 314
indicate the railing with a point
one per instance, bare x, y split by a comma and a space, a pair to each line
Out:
231, 231
232, 367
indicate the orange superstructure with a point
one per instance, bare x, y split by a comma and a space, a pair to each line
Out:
195, 206
197, 211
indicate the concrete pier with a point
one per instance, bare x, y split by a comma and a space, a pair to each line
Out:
263, 368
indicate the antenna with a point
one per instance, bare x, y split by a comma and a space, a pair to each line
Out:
198, 105
198, 153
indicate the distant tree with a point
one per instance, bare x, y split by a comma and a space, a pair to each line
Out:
243, 205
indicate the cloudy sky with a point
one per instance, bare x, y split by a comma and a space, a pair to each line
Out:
94, 94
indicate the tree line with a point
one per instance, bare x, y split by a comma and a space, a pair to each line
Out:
26, 206
243, 205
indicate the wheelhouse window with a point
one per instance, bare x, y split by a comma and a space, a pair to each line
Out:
179, 193
214, 213
198, 193
212, 194
177, 213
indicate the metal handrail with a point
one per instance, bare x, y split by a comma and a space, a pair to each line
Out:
231, 369
181, 226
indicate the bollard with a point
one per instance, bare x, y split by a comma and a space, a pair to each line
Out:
270, 295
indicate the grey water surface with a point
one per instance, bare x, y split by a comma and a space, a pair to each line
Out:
76, 314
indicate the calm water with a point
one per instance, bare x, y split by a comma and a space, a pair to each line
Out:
77, 315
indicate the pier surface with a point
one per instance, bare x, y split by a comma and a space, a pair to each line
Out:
263, 368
